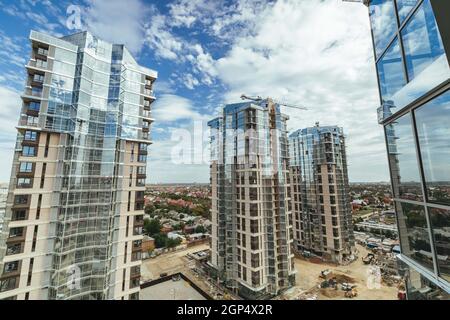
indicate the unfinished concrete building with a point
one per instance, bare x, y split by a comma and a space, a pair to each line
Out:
320, 193
251, 231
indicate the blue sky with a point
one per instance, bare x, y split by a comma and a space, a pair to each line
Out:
207, 53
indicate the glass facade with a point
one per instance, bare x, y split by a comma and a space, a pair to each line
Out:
95, 104
409, 51
321, 205
413, 71
250, 215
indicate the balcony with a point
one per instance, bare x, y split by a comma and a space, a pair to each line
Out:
38, 64
28, 120
138, 221
146, 114
148, 93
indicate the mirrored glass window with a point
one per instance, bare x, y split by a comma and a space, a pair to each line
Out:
433, 132
403, 159
422, 41
404, 8
440, 225
420, 288
390, 72
414, 233
384, 23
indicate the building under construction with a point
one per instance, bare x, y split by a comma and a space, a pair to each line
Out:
320, 193
251, 213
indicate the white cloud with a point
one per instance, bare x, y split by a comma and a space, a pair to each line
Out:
10, 105
118, 21
169, 107
190, 81
317, 54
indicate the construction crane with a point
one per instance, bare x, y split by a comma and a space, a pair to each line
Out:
366, 2
281, 103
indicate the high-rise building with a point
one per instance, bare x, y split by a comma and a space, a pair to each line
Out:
251, 214
74, 212
3, 196
411, 40
321, 207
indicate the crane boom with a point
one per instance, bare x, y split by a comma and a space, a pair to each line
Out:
281, 103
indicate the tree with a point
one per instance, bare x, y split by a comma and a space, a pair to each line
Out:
152, 226
160, 240
178, 226
200, 229
171, 243
149, 209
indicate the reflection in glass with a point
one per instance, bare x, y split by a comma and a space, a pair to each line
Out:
403, 159
420, 288
433, 132
414, 235
404, 8
384, 25
421, 40
440, 225
390, 72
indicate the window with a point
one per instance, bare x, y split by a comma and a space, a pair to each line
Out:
390, 72
19, 215
14, 248
8, 284
255, 278
440, 224
422, 41
414, 233
26, 167
142, 158
32, 121
16, 232
141, 170
24, 183
42, 51
403, 159
254, 243
30, 135
21, 199
404, 8
29, 151
35, 106
432, 131
384, 23
11, 267
38, 77
41, 63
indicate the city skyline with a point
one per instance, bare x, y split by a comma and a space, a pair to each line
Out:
198, 59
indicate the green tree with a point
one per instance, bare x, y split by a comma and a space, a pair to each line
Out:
200, 229
171, 243
152, 227
160, 240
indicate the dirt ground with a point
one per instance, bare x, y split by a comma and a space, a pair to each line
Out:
307, 277
307, 280
169, 263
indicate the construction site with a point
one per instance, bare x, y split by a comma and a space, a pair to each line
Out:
372, 276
